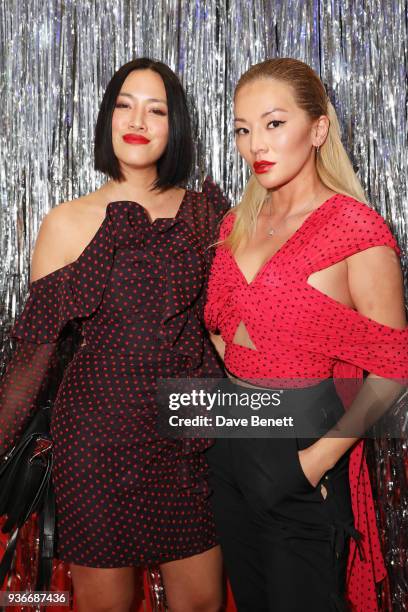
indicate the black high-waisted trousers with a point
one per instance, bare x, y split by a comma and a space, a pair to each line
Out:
284, 545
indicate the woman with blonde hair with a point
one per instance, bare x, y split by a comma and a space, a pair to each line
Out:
305, 292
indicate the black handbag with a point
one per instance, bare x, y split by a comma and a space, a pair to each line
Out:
25, 488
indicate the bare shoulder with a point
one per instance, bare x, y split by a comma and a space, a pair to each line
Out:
64, 233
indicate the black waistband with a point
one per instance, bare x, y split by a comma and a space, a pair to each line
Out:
312, 390
315, 408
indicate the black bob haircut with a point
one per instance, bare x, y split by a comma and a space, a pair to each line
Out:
175, 164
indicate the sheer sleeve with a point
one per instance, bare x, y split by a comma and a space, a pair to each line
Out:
36, 335
24, 382
382, 352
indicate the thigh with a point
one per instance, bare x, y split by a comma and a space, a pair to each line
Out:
238, 533
305, 547
194, 583
103, 589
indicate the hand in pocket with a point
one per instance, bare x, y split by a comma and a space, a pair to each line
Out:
312, 468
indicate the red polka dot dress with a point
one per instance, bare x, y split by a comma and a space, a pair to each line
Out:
298, 333
125, 495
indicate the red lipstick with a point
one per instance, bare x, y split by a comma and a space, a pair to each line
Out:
135, 139
263, 166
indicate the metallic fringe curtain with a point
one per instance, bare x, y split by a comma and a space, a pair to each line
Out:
56, 57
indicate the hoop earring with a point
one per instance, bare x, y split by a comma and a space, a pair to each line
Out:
317, 149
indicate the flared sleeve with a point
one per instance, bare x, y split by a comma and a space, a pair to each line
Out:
35, 339
54, 302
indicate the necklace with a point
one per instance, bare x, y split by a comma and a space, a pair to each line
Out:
273, 230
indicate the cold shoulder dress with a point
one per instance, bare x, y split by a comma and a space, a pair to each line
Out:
125, 495
299, 334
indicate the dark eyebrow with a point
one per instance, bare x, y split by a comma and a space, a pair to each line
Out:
264, 114
128, 95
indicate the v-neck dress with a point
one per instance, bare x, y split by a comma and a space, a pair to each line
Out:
301, 336
126, 496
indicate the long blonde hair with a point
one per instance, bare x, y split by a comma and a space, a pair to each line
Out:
333, 165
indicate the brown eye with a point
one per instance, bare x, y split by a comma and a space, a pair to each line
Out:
275, 123
240, 131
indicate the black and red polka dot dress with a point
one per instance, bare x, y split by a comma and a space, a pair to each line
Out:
126, 496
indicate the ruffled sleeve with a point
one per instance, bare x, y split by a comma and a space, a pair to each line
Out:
216, 196
218, 289
211, 207
72, 292
188, 265
65, 295
184, 274
50, 306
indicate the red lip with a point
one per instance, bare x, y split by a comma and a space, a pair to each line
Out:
135, 139
263, 166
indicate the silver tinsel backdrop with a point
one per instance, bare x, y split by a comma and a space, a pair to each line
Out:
56, 57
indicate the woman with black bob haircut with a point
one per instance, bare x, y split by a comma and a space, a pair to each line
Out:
127, 263
174, 166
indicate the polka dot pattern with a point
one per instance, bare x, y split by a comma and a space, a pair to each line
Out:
302, 334
20, 387
315, 331
125, 495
